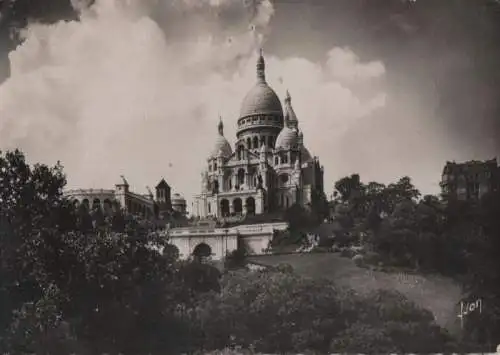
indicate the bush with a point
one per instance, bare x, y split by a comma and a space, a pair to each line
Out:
336, 249
235, 260
347, 252
359, 260
372, 258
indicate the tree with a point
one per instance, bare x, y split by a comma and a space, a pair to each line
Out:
349, 187
30, 201
298, 217
63, 268
279, 311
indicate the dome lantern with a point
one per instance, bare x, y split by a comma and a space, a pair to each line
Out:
220, 127
261, 68
290, 116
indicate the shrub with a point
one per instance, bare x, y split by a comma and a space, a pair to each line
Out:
336, 249
372, 258
235, 260
347, 252
359, 260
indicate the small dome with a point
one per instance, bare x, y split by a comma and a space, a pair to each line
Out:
221, 147
261, 99
287, 138
178, 199
305, 156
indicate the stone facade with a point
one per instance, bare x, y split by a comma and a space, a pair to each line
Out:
147, 206
469, 181
222, 241
269, 169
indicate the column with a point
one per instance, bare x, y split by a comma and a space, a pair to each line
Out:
259, 202
234, 178
220, 179
231, 206
248, 181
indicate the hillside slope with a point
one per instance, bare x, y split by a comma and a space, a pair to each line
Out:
438, 294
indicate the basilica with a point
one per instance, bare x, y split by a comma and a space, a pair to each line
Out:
268, 168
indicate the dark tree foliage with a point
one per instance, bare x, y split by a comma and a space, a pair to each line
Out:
70, 280
280, 312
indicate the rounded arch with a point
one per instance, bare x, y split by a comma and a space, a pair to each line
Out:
108, 206
250, 204
202, 250
255, 142
249, 143
86, 203
96, 203
283, 179
224, 207
241, 176
76, 203
237, 205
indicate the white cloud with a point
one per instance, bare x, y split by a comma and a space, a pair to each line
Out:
126, 91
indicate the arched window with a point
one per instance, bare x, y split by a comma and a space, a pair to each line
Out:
209, 208
240, 152
284, 159
276, 160
255, 142
241, 177
96, 204
224, 207
249, 143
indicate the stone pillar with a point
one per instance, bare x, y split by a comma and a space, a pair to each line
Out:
244, 206
259, 202
234, 178
264, 174
220, 179
231, 206
248, 179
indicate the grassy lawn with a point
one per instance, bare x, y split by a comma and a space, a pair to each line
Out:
438, 294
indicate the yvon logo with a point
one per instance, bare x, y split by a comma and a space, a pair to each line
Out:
469, 307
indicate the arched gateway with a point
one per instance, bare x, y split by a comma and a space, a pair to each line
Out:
202, 251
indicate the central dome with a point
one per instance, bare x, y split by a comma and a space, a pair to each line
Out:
261, 99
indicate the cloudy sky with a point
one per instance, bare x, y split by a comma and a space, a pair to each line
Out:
135, 87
